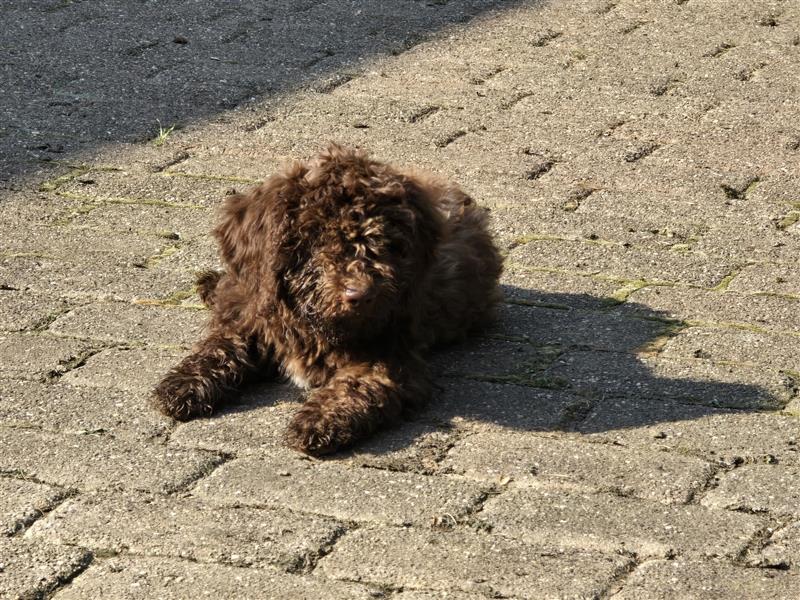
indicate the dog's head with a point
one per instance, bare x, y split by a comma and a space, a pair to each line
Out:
340, 240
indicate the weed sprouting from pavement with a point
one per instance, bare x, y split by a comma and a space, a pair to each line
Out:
162, 135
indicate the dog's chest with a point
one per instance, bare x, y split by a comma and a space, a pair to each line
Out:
297, 372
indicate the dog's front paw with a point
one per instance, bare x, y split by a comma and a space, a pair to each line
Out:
182, 397
315, 431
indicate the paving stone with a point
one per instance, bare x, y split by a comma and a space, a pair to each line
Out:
22, 502
444, 594
782, 549
490, 358
285, 480
600, 330
132, 188
715, 434
119, 322
793, 408
253, 423
94, 277
758, 488
22, 310
751, 387
66, 408
139, 578
530, 460
612, 144
135, 370
546, 288
171, 223
662, 579
94, 461
613, 260
769, 279
38, 356
759, 313
31, 571
186, 528
483, 405
771, 350
611, 523
468, 561
409, 447
196, 255
76, 243
612, 374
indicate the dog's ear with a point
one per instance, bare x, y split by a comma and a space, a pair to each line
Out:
426, 222
252, 226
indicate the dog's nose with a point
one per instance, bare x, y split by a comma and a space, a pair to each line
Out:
353, 296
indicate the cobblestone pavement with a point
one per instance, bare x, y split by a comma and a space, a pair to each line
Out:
628, 428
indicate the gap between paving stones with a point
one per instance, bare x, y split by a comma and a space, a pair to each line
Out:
64, 494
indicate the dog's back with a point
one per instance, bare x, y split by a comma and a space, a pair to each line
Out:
461, 287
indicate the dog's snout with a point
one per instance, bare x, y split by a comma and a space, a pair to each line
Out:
355, 295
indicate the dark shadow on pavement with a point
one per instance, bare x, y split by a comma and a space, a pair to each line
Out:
76, 74
557, 362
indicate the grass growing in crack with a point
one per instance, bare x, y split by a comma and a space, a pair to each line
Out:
788, 220
657, 344
52, 185
122, 200
725, 282
162, 135
621, 294
205, 177
536, 304
153, 261
176, 299
546, 237
545, 383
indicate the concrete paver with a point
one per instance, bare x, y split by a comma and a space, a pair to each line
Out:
132, 323
758, 488
69, 408
782, 549
34, 356
144, 368
94, 460
173, 579
285, 480
186, 528
527, 459
733, 437
469, 561
701, 580
22, 502
617, 524
33, 570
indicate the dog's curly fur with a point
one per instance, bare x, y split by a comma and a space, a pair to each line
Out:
340, 273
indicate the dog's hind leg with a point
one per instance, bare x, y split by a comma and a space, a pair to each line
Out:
204, 380
357, 400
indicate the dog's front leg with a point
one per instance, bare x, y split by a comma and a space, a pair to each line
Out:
202, 381
357, 400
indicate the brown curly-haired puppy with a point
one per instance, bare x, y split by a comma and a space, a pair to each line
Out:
340, 273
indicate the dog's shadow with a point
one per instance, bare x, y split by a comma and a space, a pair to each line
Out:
555, 362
